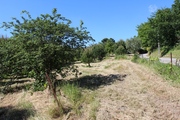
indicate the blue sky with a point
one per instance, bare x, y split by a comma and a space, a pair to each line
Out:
117, 19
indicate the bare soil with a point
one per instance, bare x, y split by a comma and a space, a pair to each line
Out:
137, 94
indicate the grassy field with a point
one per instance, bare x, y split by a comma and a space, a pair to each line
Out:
112, 89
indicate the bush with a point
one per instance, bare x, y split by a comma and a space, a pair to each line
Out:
98, 51
135, 58
87, 56
120, 50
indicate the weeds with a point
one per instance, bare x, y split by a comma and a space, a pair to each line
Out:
73, 93
164, 70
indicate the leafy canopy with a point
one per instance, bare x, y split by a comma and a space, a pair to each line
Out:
162, 27
42, 45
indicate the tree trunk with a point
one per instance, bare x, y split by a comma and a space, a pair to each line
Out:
89, 65
53, 90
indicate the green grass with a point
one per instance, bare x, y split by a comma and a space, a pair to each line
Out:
73, 93
175, 52
164, 70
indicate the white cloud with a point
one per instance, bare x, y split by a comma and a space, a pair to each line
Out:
152, 8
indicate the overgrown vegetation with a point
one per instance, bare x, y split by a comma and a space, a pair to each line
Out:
41, 48
74, 95
165, 70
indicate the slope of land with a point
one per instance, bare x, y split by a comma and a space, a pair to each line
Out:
133, 92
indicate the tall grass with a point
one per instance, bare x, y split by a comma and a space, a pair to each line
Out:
165, 70
73, 93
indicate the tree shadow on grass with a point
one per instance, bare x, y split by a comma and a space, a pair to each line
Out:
13, 113
97, 80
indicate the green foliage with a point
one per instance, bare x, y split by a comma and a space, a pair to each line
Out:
165, 70
175, 52
120, 50
39, 86
135, 58
42, 45
162, 27
98, 51
133, 45
177, 47
87, 56
109, 45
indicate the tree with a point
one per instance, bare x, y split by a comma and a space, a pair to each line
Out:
121, 43
176, 16
161, 28
133, 45
87, 56
148, 36
120, 47
109, 45
98, 51
120, 50
42, 47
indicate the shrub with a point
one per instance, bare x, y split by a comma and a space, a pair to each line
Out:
135, 58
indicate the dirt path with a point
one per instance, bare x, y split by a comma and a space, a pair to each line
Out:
141, 95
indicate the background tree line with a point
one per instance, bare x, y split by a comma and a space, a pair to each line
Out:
109, 47
162, 27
